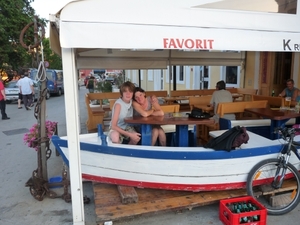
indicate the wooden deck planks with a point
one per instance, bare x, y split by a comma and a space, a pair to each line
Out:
108, 205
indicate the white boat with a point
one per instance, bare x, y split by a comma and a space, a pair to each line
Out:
172, 168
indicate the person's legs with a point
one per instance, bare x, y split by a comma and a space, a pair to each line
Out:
2, 108
162, 137
154, 136
114, 136
29, 100
25, 101
19, 101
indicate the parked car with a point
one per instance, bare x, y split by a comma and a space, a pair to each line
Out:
55, 84
12, 91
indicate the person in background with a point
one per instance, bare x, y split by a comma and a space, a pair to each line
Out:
297, 96
290, 90
120, 131
20, 95
26, 89
147, 106
221, 95
91, 84
3, 100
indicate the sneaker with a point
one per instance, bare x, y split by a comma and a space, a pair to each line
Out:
20, 107
28, 108
6, 118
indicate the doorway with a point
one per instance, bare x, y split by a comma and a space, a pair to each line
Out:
282, 71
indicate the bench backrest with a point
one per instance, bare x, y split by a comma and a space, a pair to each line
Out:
157, 93
103, 95
239, 107
170, 108
180, 93
201, 100
87, 103
272, 101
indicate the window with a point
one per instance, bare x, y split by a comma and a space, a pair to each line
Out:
231, 76
181, 74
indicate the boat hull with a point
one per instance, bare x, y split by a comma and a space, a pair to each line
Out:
172, 168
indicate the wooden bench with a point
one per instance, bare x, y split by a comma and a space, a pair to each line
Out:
187, 93
273, 102
199, 102
247, 93
228, 108
158, 94
95, 115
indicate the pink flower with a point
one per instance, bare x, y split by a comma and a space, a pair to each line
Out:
32, 137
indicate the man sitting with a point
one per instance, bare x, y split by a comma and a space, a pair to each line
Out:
221, 95
290, 90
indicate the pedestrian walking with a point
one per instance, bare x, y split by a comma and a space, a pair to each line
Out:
20, 95
3, 100
26, 89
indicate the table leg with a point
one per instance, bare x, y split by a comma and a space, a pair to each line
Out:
146, 132
182, 135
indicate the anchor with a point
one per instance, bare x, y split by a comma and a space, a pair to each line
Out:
38, 184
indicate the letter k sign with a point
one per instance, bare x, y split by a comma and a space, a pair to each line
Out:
286, 44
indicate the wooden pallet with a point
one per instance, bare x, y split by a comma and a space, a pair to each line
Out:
108, 205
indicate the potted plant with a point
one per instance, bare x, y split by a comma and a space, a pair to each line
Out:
32, 138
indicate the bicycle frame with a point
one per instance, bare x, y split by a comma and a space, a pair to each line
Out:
284, 159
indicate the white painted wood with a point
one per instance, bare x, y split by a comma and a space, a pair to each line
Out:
173, 171
73, 130
245, 30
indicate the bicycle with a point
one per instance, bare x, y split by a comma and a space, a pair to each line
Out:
275, 183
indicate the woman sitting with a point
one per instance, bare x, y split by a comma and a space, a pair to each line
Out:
148, 106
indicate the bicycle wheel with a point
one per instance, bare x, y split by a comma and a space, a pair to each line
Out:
260, 185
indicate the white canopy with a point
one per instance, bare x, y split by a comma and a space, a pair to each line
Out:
128, 34
134, 34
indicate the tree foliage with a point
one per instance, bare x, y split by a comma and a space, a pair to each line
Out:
55, 61
14, 16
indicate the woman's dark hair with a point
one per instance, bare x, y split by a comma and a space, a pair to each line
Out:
137, 89
221, 85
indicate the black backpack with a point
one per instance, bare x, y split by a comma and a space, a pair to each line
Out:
199, 114
229, 140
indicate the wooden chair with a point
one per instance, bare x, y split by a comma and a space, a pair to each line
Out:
247, 93
199, 101
226, 108
170, 108
275, 102
95, 115
111, 103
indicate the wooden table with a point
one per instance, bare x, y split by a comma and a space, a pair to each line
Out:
171, 100
236, 96
181, 123
278, 117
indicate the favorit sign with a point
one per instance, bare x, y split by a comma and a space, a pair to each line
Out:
289, 45
180, 43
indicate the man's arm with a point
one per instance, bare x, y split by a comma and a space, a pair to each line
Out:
32, 89
282, 94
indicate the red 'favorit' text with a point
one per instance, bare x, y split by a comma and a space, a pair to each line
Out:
188, 43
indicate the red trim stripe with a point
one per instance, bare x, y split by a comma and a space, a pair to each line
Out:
166, 186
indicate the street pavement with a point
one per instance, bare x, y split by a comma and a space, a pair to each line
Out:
17, 162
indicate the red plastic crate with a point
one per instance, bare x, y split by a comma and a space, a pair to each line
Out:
230, 218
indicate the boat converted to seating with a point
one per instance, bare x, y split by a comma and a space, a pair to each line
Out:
172, 168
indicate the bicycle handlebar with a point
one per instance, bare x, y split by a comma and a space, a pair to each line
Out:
286, 133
